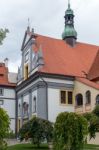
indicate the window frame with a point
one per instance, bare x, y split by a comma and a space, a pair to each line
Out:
2, 93
2, 102
66, 97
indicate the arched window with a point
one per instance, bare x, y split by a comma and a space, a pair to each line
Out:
88, 97
34, 104
79, 100
97, 99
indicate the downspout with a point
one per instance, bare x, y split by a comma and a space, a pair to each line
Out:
16, 115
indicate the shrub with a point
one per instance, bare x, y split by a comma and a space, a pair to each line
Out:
4, 128
70, 131
96, 110
38, 130
93, 124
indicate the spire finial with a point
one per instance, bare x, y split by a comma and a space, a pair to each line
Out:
28, 22
68, 4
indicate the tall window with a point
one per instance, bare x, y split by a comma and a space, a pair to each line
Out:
66, 97
70, 97
97, 99
1, 92
26, 72
63, 97
79, 100
34, 104
88, 97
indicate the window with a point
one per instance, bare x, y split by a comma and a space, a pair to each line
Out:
88, 97
70, 97
66, 97
26, 56
1, 102
97, 99
79, 100
26, 72
34, 104
63, 97
1, 92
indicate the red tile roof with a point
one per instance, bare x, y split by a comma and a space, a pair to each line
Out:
60, 58
94, 70
4, 76
88, 82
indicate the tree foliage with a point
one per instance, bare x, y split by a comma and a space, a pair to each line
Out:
38, 130
4, 128
93, 122
3, 35
70, 131
96, 110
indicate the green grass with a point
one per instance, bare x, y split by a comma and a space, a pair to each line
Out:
27, 147
91, 147
44, 147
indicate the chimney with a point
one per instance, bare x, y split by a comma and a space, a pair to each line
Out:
6, 62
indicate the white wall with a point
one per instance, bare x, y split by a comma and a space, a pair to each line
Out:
54, 106
9, 105
9, 93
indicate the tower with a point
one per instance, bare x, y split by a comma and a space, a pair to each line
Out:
69, 35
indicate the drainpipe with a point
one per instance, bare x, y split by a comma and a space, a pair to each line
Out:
46, 86
16, 115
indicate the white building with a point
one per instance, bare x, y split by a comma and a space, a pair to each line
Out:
56, 75
7, 92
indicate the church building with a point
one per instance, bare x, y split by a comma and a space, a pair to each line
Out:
56, 75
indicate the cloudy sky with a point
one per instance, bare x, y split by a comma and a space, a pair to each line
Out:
47, 18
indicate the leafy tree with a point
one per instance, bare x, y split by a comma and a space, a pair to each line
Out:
4, 128
38, 130
3, 35
70, 131
93, 121
96, 110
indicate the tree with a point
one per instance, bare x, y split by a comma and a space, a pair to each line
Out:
96, 110
4, 128
70, 131
3, 35
93, 122
38, 130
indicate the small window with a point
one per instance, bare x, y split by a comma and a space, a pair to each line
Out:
70, 97
88, 97
1, 92
79, 100
63, 97
1, 102
97, 99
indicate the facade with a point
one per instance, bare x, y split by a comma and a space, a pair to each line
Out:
56, 75
7, 92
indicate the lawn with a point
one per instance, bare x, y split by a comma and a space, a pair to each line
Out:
44, 147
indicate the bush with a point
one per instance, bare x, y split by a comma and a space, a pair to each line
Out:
70, 131
93, 123
4, 128
96, 110
38, 130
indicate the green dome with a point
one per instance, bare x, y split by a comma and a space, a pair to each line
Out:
69, 12
69, 31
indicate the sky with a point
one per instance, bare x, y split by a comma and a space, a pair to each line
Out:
47, 18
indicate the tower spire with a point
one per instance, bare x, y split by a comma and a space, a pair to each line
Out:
68, 4
69, 35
